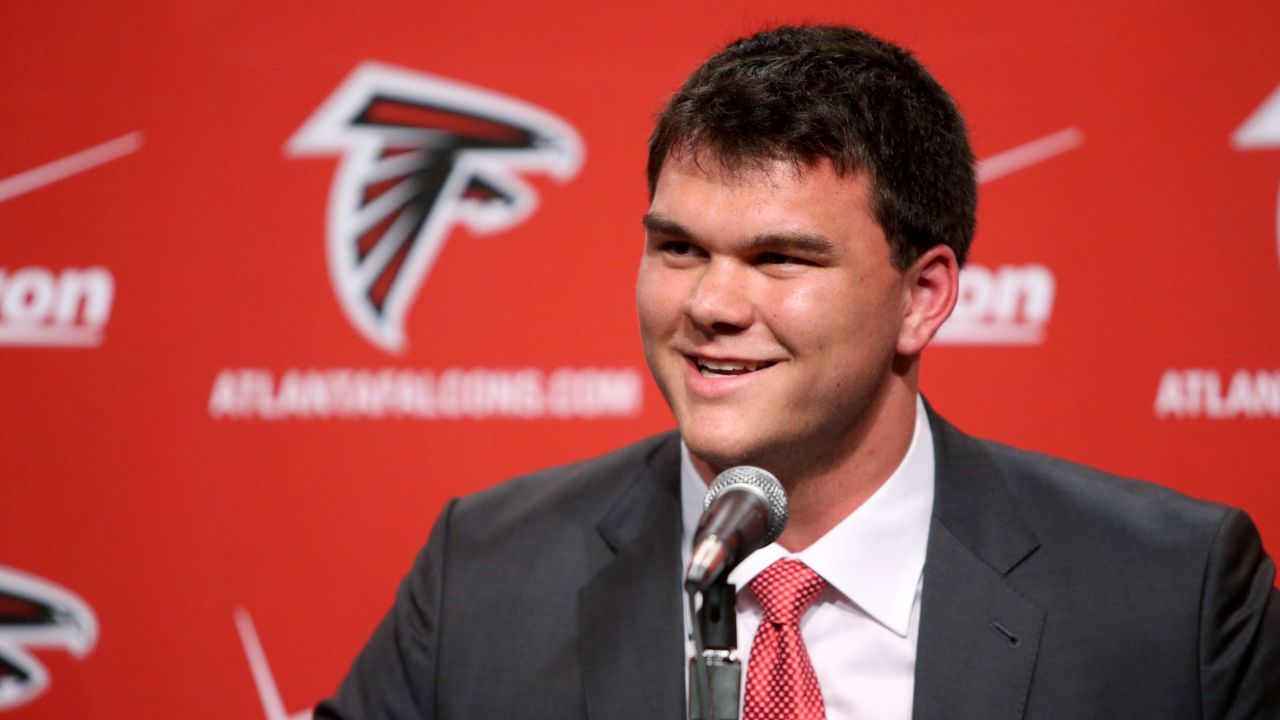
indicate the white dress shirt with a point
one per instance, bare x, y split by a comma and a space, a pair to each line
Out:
861, 631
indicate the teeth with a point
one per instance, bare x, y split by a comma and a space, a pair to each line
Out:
727, 366
716, 368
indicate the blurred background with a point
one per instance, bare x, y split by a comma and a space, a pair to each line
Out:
254, 332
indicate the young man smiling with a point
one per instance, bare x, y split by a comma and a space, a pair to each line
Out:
780, 331
813, 199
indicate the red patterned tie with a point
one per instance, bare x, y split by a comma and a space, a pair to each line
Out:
781, 684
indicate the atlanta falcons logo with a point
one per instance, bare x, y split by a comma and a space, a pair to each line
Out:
37, 613
421, 154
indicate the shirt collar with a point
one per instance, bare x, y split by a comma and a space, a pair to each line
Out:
875, 556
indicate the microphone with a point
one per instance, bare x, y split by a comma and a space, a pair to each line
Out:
744, 510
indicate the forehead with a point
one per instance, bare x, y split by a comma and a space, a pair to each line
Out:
772, 196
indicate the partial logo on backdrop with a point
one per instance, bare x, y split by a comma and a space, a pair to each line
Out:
421, 155
70, 307
1007, 304
41, 307
1262, 132
36, 614
1196, 393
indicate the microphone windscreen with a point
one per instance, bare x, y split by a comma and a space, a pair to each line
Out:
762, 481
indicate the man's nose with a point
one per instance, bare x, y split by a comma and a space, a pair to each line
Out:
721, 301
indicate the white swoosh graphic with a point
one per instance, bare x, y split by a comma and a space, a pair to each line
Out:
1027, 154
75, 164
268, 693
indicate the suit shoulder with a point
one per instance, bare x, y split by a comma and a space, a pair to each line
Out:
577, 491
1071, 498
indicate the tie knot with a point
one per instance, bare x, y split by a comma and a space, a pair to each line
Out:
785, 590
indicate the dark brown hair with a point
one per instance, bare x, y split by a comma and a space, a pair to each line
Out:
806, 94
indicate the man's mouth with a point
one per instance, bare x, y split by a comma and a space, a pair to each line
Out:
729, 368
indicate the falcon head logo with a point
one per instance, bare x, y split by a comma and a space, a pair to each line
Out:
421, 154
35, 613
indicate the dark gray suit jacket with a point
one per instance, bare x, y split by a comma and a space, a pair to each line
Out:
1051, 591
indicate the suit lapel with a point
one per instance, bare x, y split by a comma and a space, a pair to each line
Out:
978, 634
632, 645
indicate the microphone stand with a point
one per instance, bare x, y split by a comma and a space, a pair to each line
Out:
715, 674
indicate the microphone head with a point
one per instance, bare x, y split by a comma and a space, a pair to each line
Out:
761, 482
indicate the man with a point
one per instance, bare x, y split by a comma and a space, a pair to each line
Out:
812, 201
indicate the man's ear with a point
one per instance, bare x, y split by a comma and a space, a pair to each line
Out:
931, 286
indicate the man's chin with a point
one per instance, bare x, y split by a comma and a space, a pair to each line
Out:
717, 455
789, 458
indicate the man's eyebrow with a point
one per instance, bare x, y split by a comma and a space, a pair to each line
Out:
658, 225
778, 242
793, 242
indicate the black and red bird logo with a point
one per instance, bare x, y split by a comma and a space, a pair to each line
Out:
35, 613
421, 154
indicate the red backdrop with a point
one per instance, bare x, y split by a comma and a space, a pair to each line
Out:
221, 515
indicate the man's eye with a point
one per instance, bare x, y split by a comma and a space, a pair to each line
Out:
773, 258
677, 247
